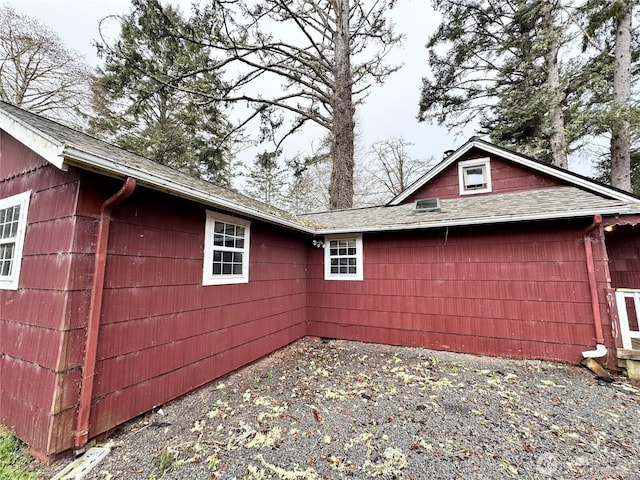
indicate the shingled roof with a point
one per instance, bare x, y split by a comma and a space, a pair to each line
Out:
548, 203
64, 147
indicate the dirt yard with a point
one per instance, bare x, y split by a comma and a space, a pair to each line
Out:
347, 410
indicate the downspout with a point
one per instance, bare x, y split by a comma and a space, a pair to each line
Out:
95, 310
600, 349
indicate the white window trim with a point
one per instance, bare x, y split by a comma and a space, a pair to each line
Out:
327, 258
476, 162
207, 277
10, 282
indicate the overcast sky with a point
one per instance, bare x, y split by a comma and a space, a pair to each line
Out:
390, 110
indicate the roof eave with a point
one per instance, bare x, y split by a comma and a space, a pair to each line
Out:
86, 160
479, 221
47, 147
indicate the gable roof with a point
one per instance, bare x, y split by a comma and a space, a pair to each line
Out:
63, 147
543, 204
561, 174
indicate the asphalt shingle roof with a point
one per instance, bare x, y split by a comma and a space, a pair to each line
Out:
124, 161
557, 202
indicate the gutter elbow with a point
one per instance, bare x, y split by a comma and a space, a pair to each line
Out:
599, 352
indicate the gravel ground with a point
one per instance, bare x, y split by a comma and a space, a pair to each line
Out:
336, 410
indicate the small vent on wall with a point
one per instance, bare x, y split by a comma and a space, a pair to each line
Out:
427, 205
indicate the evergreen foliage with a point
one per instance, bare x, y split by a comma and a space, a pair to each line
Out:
266, 180
495, 71
145, 96
517, 71
287, 63
603, 171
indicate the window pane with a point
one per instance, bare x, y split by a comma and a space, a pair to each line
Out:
226, 269
240, 243
227, 257
217, 256
474, 177
5, 268
217, 268
237, 258
6, 258
239, 231
218, 239
9, 221
237, 269
218, 227
229, 242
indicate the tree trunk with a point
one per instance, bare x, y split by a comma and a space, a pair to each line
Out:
621, 130
342, 133
557, 139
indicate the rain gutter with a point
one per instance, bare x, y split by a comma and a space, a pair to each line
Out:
600, 349
95, 310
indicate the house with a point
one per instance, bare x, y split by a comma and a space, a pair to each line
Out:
125, 284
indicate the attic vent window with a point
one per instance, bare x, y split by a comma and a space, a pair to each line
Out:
427, 205
474, 176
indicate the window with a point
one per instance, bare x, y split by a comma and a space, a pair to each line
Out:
343, 258
226, 250
13, 222
474, 176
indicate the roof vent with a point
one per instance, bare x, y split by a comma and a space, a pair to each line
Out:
447, 153
427, 205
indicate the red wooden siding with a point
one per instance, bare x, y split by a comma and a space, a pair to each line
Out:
505, 177
623, 246
517, 291
41, 332
162, 333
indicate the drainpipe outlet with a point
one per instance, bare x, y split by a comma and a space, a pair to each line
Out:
600, 351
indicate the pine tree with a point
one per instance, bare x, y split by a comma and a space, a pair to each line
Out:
144, 97
615, 107
266, 179
322, 56
501, 69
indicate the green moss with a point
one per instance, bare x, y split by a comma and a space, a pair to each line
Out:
14, 459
